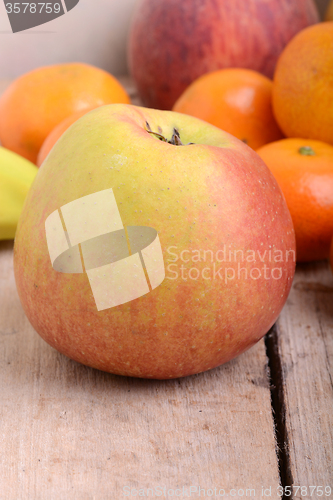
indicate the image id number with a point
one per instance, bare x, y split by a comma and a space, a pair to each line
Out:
305, 491
32, 8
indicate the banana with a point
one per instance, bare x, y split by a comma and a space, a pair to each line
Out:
16, 177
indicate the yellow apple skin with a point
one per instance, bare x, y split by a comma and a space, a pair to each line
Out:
203, 196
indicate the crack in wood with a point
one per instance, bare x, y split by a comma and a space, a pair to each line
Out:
278, 408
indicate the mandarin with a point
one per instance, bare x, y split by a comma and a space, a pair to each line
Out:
303, 85
36, 102
235, 100
303, 169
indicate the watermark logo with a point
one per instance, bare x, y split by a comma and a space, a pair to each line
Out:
87, 236
227, 264
24, 15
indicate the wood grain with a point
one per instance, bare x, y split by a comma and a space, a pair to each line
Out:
69, 431
305, 343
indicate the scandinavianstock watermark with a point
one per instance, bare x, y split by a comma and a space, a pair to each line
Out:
219, 492
188, 492
226, 264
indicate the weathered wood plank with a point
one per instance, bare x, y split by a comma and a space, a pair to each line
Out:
305, 344
68, 431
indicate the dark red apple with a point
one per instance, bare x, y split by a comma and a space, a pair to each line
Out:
173, 42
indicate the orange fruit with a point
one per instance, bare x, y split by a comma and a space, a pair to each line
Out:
303, 85
36, 102
235, 100
303, 169
57, 132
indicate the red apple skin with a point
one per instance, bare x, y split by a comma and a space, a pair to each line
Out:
196, 197
173, 42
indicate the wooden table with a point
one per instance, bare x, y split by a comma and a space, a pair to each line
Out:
262, 420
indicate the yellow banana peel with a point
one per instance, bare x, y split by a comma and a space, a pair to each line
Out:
16, 177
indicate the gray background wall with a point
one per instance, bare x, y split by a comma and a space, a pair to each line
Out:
95, 31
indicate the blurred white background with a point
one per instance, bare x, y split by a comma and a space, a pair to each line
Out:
95, 31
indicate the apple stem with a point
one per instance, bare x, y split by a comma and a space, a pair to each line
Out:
175, 139
160, 136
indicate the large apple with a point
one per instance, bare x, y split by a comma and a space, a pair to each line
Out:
173, 42
153, 244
